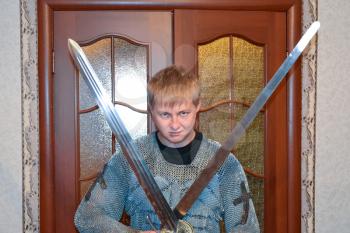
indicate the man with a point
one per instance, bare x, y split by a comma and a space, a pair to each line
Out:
175, 155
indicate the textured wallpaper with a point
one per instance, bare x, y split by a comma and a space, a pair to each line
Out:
30, 111
10, 119
332, 202
309, 81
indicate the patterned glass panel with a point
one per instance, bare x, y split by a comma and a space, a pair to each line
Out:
99, 55
214, 73
95, 146
231, 68
95, 135
248, 70
129, 63
248, 76
131, 83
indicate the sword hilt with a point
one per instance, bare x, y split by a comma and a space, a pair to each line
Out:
182, 227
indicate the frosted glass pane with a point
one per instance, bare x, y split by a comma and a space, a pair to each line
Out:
248, 81
95, 145
236, 73
248, 70
250, 149
256, 187
131, 84
99, 55
84, 187
214, 70
214, 73
135, 122
215, 123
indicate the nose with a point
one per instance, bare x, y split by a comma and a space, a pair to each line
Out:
174, 124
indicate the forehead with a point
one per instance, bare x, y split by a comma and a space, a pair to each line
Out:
176, 106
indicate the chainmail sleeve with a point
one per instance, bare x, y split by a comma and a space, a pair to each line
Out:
239, 212
102, 206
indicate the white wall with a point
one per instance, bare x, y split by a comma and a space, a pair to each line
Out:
332, 200
10, 119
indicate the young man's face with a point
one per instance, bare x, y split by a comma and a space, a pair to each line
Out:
175, 124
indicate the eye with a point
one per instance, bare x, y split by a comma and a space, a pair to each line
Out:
164, 115
184, 113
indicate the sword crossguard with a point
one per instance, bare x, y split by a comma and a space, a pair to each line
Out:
182, 227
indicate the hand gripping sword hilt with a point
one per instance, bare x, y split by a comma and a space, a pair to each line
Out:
182, 227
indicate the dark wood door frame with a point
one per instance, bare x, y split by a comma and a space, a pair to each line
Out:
46, 9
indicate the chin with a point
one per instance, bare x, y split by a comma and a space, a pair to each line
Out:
175, 141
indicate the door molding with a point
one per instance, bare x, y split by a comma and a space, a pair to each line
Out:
46, 9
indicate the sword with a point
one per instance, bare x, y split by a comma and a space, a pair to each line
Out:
138, 165
220, 156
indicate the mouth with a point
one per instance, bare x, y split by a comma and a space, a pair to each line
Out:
174, 134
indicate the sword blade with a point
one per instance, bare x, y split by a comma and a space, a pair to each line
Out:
131, 152
218, 159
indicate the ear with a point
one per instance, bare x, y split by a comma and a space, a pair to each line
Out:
198, 106
150, 109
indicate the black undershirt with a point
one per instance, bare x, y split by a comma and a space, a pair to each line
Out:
182, 155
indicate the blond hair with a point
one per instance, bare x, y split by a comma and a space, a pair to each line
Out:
172, 86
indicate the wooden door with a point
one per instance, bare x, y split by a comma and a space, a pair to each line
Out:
214, 44
125, 48
60, 134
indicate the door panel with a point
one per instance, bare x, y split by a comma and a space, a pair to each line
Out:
265, 33
108, 38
